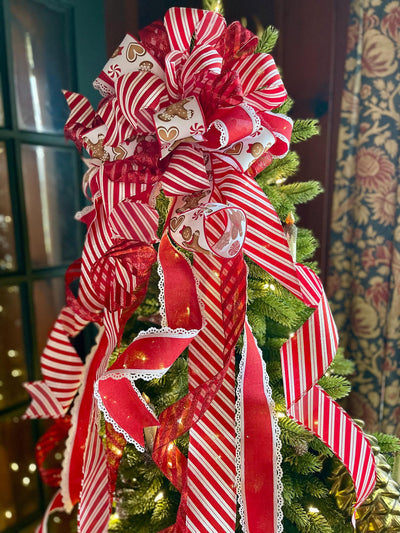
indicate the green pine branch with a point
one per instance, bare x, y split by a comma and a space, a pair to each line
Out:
279, 170
304, 129
336, 386
340, 365
301, 191
267, 40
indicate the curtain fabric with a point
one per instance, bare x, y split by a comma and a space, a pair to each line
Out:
364, 276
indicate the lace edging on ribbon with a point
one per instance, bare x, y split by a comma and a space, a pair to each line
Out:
277, 440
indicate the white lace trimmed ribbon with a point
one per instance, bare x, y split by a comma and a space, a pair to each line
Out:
276, 452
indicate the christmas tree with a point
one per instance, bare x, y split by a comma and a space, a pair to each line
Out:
317, 494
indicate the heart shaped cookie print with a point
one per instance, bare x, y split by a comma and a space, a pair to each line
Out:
167, 134
133, 51
235, 149
176, 222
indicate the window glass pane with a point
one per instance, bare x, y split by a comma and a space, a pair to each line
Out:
41, 66
19, 477
12, 354
49, 298
7, 243
50, 199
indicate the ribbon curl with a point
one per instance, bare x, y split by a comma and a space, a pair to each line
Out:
189, 110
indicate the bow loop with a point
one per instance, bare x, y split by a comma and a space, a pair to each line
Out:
207, 227
130, 56
201, 62
139, 94
123, 265
185, 172
182, 24
236, 42
226, 91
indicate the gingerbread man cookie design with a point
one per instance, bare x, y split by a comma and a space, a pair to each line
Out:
191, 201
176, 110
191, 240
97, 150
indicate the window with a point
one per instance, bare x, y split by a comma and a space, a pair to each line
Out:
45, 46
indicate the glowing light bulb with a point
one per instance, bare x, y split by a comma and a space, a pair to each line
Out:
159, 496
8, 514
14, 467
16, 372
313, 510
32, 467
12, 353
26, 481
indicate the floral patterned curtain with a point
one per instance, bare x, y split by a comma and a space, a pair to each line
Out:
364, 277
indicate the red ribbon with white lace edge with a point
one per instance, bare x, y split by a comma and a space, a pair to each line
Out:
191, 115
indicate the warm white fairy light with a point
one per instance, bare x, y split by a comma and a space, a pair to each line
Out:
269, 286
159, 496
16, 372
114, 518
32, 467
14, 467
26, 481
8, 514
313, 510
12, 353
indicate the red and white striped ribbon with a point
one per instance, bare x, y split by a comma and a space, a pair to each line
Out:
211, 500
181, 23
305, 358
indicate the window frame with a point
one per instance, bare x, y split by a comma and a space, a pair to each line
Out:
86, 51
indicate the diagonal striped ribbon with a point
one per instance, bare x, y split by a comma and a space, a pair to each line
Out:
211, 497
305, 358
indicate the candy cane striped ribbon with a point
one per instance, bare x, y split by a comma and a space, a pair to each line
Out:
305, 358
211, 501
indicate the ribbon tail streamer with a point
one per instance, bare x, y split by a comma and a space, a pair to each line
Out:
259, 475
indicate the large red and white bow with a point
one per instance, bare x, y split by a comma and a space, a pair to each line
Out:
187, 109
